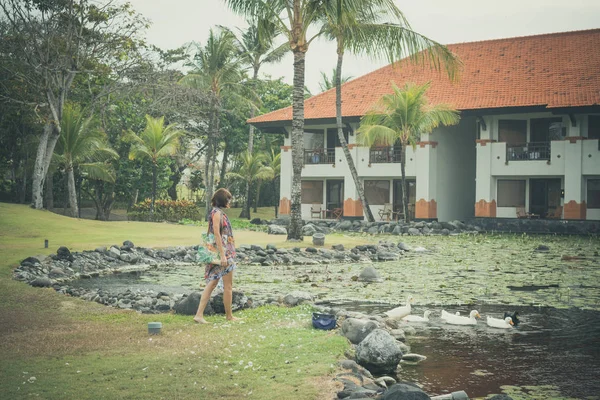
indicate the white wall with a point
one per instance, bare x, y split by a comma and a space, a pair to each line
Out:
590, 165
456, 163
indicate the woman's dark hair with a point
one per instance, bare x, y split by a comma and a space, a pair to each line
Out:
221, 198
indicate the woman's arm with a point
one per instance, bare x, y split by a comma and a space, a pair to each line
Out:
218, 239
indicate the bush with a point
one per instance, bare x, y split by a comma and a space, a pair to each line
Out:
165, 210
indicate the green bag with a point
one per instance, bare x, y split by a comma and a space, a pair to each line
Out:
207, 251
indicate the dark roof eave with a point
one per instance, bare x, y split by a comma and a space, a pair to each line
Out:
278, 126
267, 125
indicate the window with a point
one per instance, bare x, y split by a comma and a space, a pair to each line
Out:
593, 193
547, 129
511, 193
313, 139
512, 131
312, 192
377, 192
333, 140
594, 127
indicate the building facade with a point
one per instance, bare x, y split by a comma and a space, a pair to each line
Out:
527, 145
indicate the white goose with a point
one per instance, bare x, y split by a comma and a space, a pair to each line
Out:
505, 323
402, 311
417, 318
460, 320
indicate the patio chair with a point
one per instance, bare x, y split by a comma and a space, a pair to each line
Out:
556, 213
337, 212
316, 209
386, 212
521, 212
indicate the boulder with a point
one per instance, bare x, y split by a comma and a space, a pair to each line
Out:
63, 253
370, 274
239, 301
405, 391
356, 330
309, 230
403, 246
189, 304
41, 281
297, 297
276, 230
387, 256
378, 352
127, 245
414, 232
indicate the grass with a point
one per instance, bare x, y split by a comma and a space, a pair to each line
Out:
78, 349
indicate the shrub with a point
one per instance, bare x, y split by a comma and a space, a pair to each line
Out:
165, 210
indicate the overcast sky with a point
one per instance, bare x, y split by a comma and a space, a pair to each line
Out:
176, 22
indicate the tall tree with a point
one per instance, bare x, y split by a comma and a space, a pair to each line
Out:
216, 69
256, 48
83, 147
403, 116
328, 82
252, 169
58, 40
155, 142
379, 29
294, 18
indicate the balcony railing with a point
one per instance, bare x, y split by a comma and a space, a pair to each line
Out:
319, 156
528, 151
384, 155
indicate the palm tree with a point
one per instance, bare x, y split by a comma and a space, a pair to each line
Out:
293, 18
82, 146
329, 83
273, 161
402, 116
216, 69
253, 170
255, 50
155, 142
361, 27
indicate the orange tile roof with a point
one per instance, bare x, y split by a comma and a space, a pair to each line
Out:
553, 70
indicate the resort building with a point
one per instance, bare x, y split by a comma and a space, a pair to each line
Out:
527, 145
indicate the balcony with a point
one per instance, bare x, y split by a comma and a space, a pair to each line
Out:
386, 154
528, 151
319, 156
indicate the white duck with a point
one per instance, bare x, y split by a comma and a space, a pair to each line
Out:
417, 318
402, 311
460, 320
500, 323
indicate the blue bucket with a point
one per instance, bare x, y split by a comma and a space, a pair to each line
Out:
325, 322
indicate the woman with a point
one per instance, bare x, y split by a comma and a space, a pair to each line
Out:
219, 225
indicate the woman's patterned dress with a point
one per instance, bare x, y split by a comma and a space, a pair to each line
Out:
212, 271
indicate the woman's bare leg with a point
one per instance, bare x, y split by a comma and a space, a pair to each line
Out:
210, 286
228, 295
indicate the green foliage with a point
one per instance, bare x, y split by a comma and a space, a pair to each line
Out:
165, 210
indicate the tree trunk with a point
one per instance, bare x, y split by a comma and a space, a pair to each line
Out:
252, 113
176, 172
224, 165
211, 158
154, 173
295, 227
340, 131
404, 191
246, 207
258, 185
38, 169
72, 192
49, 191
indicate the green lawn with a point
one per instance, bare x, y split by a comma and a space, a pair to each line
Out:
57, 347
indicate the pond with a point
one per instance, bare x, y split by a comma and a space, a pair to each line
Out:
556, 291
